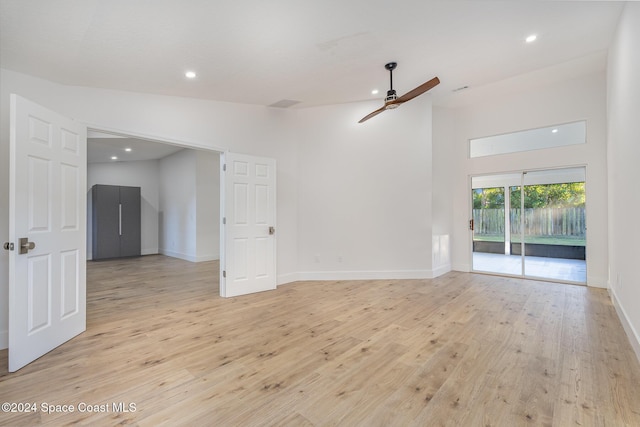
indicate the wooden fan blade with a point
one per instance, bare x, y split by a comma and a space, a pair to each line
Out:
418, 91
375, 113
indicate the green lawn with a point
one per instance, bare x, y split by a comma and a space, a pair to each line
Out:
544, 240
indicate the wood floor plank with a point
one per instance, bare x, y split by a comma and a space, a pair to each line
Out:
462, 349
417, 391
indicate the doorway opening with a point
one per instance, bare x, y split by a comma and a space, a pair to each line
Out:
180, 192
531, 224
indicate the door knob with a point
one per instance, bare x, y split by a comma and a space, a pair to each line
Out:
26, 245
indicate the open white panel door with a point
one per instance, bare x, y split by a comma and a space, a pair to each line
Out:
47, 231
248, 261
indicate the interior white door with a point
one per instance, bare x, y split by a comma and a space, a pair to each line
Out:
248, 262
47, 275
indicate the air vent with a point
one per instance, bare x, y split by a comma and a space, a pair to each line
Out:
460, 88
284, 103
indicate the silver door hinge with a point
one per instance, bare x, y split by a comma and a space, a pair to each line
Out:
8, 246
224, 167
224, 220
224, 273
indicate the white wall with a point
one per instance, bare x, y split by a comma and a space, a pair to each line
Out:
190, 205
442, 196
207, 205
178, 224
623, 156
143, 174
365, 202
579, 98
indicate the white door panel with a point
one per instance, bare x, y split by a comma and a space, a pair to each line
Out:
47, 284
249, 208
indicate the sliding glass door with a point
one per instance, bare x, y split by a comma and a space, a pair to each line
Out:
553, 218
492, 226
544, 225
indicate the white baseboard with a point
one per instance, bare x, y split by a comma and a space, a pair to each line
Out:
597, 282
632, 334
187, 257
191, 258
179, 255
465, 268
363, 275
4, 340
370, 275
202, 258
287, 278
439, 271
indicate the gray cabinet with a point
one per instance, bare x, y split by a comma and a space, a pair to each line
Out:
115, 221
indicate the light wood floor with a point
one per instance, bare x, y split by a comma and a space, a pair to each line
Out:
460, 350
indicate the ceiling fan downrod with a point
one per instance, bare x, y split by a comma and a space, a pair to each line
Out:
391, 94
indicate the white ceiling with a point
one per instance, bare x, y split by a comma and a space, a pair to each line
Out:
316, 52
101, 147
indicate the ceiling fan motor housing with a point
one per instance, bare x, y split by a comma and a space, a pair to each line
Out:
391, 96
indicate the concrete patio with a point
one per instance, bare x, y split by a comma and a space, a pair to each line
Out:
569, 270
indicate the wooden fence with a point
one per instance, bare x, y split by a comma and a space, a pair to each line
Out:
537, 222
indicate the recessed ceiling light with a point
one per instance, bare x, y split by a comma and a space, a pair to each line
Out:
374, 92
554, 131
190, 74
531, 38
114, 158
127, 149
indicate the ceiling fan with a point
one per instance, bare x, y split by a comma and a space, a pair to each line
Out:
392, 101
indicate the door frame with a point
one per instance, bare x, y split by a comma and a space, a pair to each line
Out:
522, 173
178, 143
